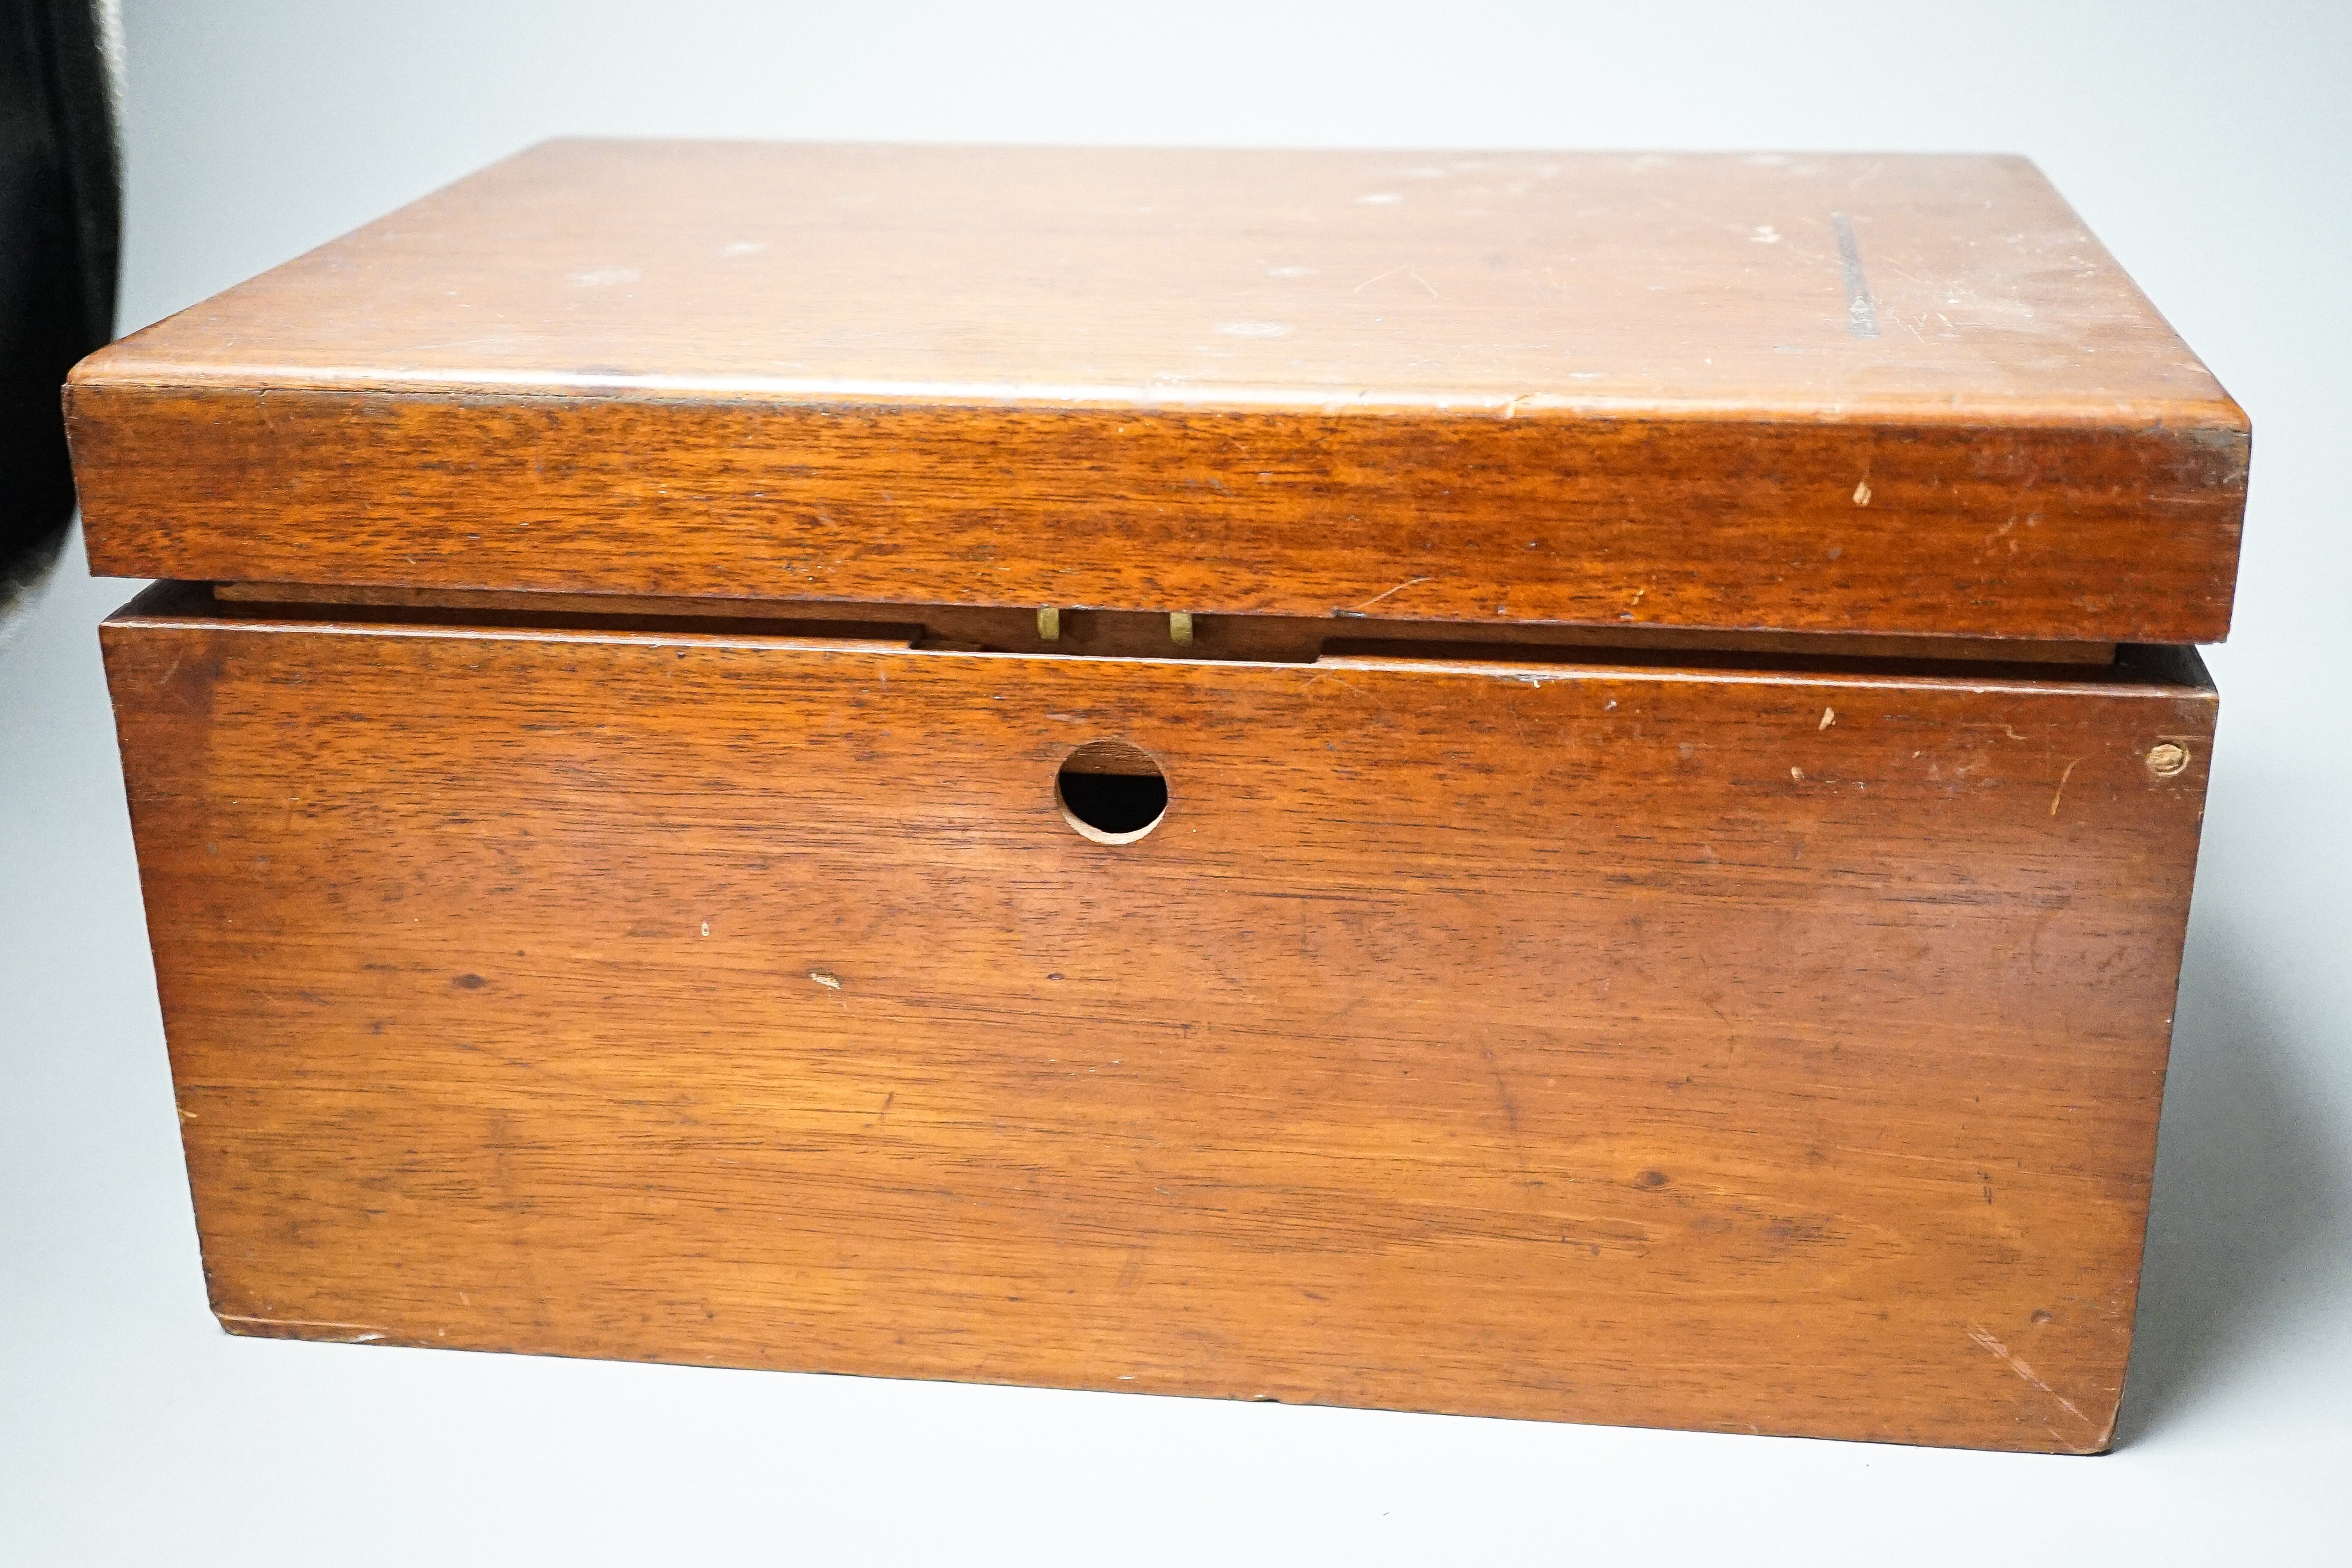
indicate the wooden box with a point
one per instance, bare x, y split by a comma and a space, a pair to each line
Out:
1542, 784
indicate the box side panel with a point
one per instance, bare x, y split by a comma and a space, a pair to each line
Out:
2060, 532
1701, 1049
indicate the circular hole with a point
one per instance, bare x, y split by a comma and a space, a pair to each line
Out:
1111, 791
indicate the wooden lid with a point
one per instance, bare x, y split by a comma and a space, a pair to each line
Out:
1847, 394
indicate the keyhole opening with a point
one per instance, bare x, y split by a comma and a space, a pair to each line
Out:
1111, 791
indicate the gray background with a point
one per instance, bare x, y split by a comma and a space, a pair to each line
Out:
2209, 147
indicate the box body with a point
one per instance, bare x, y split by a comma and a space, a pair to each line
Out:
1731, 1048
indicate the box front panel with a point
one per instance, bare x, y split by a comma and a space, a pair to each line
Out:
1704, 1048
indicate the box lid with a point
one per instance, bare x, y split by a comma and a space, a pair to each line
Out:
1800, 393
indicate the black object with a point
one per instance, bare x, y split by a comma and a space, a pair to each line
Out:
61, 227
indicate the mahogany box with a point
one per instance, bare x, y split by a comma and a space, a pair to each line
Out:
1555, 785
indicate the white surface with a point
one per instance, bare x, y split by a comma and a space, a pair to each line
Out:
2211, 150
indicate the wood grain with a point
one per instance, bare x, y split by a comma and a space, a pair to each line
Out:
1598, 389
1725, 1050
